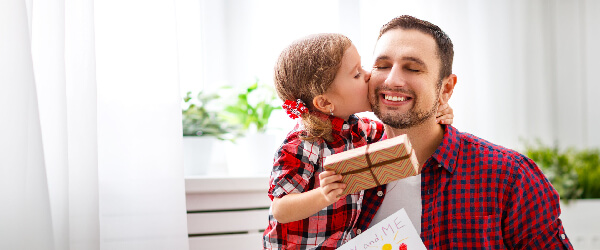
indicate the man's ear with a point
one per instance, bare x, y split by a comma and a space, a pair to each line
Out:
323, 104
447, 88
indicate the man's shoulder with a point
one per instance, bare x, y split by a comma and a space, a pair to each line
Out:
477, 154
478, 145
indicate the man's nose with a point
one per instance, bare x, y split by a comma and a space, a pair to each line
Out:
395, 78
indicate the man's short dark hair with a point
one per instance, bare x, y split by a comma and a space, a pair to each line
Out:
444, 44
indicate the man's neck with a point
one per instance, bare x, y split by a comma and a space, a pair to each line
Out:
425, 138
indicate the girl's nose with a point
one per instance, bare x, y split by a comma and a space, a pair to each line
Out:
367, 75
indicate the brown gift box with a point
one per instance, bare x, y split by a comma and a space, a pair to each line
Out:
374, 164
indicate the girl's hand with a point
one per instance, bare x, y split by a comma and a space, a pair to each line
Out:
445, 114
330, 186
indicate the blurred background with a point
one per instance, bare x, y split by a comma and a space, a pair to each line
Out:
525, 68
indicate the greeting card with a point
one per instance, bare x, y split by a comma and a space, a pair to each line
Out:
396, 232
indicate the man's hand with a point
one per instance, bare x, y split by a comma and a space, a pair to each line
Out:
330, 186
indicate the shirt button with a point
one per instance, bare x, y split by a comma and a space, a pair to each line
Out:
563, 236
358, 231
345, 126
379, 193
439, 165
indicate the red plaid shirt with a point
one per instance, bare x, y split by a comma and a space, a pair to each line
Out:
477, 195
297, 166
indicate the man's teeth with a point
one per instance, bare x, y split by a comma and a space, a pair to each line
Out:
395, 98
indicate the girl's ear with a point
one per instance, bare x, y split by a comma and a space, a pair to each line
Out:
323, 104
447, 88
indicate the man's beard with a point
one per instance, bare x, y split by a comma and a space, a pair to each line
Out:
411, 118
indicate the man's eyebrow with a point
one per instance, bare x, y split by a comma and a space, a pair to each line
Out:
406, 58
382, 58
414, 59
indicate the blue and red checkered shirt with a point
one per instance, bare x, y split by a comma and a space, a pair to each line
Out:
297, 166
477, 195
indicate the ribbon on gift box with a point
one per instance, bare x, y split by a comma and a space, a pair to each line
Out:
370, 165
374, 164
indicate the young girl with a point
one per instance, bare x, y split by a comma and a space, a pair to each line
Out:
321, 81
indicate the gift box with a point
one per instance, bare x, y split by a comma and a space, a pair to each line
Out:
374, 164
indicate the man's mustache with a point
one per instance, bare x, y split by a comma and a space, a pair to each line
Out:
409, 92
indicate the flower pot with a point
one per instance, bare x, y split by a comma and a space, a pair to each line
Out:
252, 155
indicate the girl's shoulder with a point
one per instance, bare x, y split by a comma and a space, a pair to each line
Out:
294, 140
373, 128
368, 120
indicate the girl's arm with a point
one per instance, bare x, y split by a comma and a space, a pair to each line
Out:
299, 206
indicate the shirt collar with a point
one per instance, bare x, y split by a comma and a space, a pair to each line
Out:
337, 124
447, 153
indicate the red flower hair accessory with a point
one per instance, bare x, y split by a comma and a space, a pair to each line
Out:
294, 108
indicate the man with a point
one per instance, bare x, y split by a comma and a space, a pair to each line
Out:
473, 194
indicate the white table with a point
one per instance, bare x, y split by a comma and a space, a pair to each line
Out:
226, 212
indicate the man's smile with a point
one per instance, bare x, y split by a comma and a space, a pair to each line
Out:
395, 99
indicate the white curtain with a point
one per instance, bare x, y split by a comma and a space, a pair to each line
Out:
90, 131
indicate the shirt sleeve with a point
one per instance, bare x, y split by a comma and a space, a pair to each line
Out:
294, 168
531, 215
551, 238
374, 130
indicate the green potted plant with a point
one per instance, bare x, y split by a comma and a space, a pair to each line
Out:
575, 174
251, 108
199, 120
203, 130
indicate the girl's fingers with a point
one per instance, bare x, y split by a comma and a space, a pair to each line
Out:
338, 193
446, 119
325, 174
447, 111
335, 192
333, 187
445, 114
329, 178
330, 185
443, 109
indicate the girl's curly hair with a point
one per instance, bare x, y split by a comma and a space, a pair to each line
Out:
306, 69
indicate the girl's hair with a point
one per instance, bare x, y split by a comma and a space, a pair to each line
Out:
306, 69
